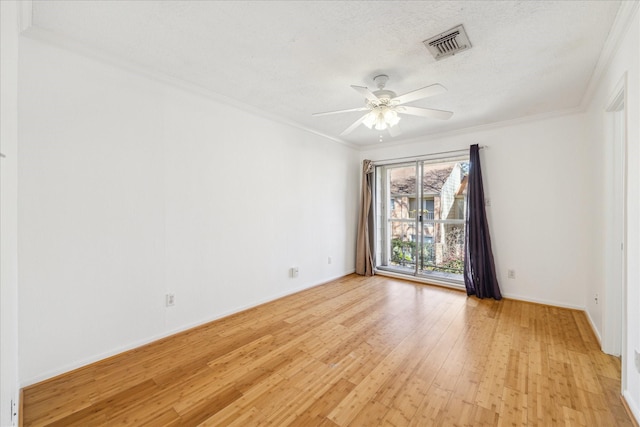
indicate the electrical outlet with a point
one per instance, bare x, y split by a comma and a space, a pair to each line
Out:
14, 412
293, 272
329, 260
171, 300
596, 298
637, 360
511, 274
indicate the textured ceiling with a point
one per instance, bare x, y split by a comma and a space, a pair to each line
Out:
292, 59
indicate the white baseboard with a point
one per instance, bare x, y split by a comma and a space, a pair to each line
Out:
632, 405
452, 285
543, 301
594, 328
139, 343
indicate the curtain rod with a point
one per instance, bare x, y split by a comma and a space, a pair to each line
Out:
462, 150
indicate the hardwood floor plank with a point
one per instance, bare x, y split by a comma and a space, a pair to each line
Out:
460, 413
205, 407
371, 414
356, 351
167, 417
324, 404
430, 410
612, 396
100, 413
513, 410
491, 385
573, 417
517, 371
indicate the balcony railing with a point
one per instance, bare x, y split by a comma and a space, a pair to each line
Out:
446, 256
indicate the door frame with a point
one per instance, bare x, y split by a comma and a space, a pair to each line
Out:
382, 219
614, 312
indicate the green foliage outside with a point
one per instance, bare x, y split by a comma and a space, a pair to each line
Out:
403, 253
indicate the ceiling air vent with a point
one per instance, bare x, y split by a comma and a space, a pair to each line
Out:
448, 43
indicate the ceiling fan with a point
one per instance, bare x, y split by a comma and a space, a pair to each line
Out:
383, 107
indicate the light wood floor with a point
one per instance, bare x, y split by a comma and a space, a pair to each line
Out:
357, 351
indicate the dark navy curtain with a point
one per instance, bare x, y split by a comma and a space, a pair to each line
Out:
479, 269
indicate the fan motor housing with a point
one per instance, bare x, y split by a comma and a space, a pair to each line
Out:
385, 95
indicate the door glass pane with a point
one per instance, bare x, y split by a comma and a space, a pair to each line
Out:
401, 213
443, 199
403, 244
402, 192
443, 249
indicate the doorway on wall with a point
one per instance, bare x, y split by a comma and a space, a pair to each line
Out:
420, 218
613, 327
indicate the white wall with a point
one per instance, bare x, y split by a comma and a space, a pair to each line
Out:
8, 209
537, 176
130, 188
624, 62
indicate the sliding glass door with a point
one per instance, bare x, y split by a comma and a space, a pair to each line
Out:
420, 217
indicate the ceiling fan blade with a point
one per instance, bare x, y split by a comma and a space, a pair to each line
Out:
395, 131
419, 94
341, 111
354, 125
426, 112
366, 93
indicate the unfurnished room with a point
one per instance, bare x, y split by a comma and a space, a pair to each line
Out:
319, 213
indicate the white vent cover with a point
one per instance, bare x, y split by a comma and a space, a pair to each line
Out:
448, 43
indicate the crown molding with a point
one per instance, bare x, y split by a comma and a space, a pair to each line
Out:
618, 31
621, 24
82, 49
619, 28
477, 128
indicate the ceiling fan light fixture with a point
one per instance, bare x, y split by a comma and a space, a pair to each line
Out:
384, 106
385, 117
380, 123
381, 118
370, 119
391, 117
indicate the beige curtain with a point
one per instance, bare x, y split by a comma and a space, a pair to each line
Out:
364, 248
